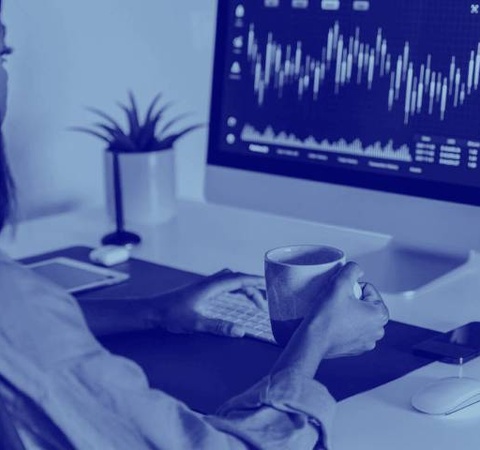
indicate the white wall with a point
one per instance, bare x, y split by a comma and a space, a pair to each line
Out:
70, 54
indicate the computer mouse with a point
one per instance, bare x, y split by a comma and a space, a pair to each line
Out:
447, 395
109, 255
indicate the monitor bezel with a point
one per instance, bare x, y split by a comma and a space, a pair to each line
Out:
435, 190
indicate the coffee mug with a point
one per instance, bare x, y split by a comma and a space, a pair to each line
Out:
295, 277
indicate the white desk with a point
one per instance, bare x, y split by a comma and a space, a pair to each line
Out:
205, 238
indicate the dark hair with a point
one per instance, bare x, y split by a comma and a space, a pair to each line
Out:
6, 187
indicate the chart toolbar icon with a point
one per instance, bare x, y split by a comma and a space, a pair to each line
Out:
272, 3
361, 5
238, 42
330, 5
300, 4
240, 11
232, 121
236, 69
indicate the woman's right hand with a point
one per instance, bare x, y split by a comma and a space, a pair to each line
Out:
348, 325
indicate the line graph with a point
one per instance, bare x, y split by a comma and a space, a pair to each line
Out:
346, 59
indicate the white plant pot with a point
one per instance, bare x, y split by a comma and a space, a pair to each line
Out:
148, 186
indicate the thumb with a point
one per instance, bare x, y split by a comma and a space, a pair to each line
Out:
347, 278
220, 327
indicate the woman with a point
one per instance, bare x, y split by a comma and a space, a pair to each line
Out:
63, 390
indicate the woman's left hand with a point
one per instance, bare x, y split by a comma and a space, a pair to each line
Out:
182, 311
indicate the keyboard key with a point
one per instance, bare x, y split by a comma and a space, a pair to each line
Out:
238, 309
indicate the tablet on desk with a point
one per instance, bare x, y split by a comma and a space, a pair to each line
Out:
76, 276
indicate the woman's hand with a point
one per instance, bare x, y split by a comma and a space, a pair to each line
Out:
350, 325
182, 311
338, 325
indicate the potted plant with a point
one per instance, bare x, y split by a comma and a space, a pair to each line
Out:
140, 165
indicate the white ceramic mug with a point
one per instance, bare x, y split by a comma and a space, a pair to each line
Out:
295, 277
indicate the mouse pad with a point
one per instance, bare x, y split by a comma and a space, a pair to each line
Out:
204, 371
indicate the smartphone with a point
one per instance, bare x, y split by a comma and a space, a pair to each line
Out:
455, 347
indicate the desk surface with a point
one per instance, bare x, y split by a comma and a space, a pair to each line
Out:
200, 239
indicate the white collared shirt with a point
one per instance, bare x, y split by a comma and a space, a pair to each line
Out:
64, 390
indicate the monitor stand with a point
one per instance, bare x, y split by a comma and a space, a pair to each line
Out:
401, 270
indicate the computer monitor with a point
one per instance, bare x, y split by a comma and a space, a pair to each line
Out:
360, 113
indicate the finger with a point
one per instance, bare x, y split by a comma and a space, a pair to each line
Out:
385, 313
370, 293
348, 275
373, 296
351, 271
380, 309
257, 298
220, 327
208, 280
380, 335
221, 272
228, 282
356, 352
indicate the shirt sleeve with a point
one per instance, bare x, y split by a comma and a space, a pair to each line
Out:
53, 369
296, 412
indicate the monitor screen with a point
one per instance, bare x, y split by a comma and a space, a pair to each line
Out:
368, 93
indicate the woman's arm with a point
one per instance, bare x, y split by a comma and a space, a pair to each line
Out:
179, 311
338, 325
100, 400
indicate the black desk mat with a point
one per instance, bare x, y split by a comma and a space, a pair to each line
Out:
204, 371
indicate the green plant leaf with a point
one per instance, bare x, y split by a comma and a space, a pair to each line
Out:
146, 136
158, 116
103, 116
131, 112
92, 132
168, 142
111, 130
123, 143
132, 127
134, 110
172, 122
138, 136
153, 105
119, 140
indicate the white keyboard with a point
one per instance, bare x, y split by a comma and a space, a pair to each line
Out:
235, 308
